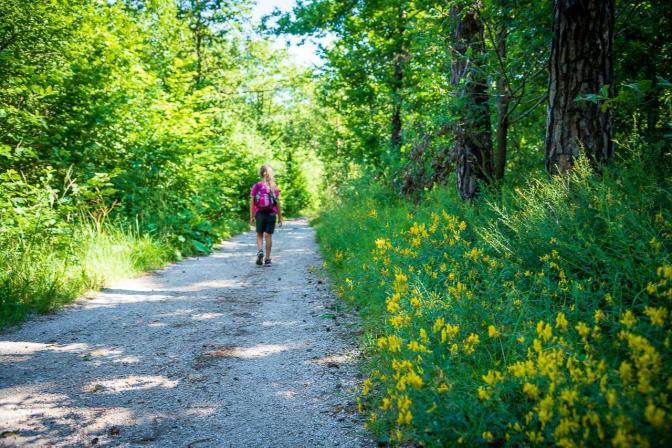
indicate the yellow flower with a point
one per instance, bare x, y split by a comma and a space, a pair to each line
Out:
492, 331
483, 393
393, 306
544, 330
449, 332
443, 388
665, 272
545, 410
394, 343
470, 342
487, 435
414, 346
582, 329
423, 335
492, 377
625, 372
531, 390
599, 316
656, 314
621, 439
628, 319
561, 321
413, 379
535, 437
472, 254
654, 415
405, 418
399, 320
569, 396
366, 387
522, 368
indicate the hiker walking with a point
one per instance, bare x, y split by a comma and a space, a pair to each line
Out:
265, 209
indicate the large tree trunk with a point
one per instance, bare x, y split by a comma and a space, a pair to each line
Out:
472, 133
581, 64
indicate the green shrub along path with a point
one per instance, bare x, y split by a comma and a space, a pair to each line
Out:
542, 313
489, 182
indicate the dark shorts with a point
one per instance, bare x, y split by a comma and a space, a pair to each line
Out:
265, 222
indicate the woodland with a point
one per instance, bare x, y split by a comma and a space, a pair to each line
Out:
489, 180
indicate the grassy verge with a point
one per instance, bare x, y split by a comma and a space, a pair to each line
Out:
539, 315
41, 273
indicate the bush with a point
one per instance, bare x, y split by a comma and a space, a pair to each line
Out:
539, 316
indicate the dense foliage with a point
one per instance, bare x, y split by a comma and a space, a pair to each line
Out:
522, 320
130, 133
388, 78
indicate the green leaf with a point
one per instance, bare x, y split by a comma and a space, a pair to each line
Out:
200, 246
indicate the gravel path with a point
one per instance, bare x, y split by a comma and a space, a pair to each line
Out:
209, 352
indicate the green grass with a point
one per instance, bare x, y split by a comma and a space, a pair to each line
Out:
539, 314
42, 274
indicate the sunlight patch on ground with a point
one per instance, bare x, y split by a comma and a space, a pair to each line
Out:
130, 383
286, 393
256, 351
36, 406
279, 323
206, 316
19, 351
335, 359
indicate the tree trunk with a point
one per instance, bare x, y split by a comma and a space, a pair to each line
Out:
503, 100
581, 64
472, 132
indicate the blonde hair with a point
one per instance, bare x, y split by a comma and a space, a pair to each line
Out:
266, 174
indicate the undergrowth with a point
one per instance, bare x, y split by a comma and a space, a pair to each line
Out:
539, 315
56, 246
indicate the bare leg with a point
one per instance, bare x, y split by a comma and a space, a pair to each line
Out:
269, 245
260, 240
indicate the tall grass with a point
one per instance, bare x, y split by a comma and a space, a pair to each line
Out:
539, 315
41, 274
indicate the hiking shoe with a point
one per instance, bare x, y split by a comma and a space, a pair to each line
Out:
260, 257
267, 262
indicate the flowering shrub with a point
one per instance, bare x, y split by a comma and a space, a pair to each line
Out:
544, 320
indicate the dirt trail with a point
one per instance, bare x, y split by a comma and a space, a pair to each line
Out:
209, 352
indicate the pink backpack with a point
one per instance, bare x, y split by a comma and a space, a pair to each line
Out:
265, 198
